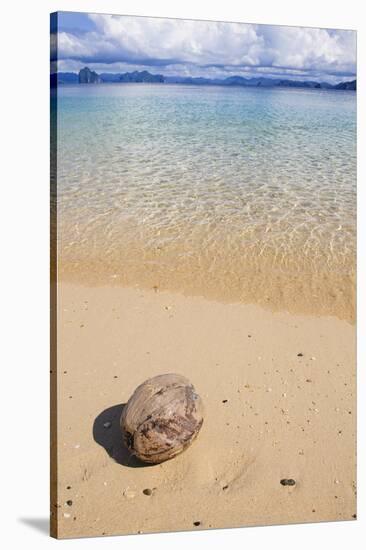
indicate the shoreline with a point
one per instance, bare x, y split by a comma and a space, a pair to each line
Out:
280, 401
324, 295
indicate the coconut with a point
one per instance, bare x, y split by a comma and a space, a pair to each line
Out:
162, 418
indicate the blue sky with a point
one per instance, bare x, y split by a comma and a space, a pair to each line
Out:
111, 43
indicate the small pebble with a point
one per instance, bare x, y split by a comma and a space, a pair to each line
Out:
147, 492
128, 493
225, 487
300, 355
289, 482
224, 400
69, 502
196, 523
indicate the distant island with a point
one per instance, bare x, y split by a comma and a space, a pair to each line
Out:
86, 76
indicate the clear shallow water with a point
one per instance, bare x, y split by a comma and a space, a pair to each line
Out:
234, 193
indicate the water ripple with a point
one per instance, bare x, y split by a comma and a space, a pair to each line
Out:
234, 193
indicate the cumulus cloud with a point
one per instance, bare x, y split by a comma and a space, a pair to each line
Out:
309, 48
174, 46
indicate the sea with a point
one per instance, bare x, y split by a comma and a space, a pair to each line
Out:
237, 194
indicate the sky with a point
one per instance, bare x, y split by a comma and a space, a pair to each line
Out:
176, 47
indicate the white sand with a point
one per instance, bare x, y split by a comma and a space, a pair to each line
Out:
284, 415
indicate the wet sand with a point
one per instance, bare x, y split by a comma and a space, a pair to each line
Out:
280, 399
307, 291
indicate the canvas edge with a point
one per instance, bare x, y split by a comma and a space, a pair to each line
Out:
53, 290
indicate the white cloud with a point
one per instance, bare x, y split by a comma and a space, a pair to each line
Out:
189, 47
308, 48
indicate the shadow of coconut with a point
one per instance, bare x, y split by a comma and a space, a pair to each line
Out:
107, 433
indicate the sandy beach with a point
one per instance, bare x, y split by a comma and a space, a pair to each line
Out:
280, 402
202, 224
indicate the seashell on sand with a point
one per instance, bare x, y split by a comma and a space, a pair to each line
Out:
162, 418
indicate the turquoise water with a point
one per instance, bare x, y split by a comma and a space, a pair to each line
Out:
210, 190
